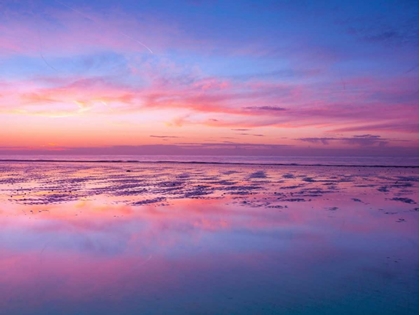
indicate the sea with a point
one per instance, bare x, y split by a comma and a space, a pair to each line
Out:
208, 235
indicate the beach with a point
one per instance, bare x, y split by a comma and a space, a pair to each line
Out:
207, 238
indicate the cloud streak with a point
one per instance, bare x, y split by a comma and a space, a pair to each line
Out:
358, 140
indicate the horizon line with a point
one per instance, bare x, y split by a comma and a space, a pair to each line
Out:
205, 163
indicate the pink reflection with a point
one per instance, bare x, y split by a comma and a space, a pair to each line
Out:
104, 251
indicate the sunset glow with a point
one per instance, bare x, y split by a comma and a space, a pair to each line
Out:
203, 77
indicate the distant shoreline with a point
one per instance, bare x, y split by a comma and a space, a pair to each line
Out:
204, 163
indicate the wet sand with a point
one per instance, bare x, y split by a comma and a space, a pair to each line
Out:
179, 238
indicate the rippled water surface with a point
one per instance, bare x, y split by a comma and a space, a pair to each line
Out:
144, 238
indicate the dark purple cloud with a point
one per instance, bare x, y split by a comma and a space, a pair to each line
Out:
265, 108
359, 140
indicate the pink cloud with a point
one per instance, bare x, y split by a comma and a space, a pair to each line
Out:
281, 105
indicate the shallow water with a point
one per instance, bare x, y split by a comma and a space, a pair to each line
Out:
116, 238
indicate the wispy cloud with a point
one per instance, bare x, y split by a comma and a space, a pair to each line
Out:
265, 108
164, 137
252, 134
359, 140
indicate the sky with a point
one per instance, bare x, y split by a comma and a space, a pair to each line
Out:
209, 77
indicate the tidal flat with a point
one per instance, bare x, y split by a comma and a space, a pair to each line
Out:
182, 238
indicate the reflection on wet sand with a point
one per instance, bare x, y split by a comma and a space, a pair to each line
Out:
186, 239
